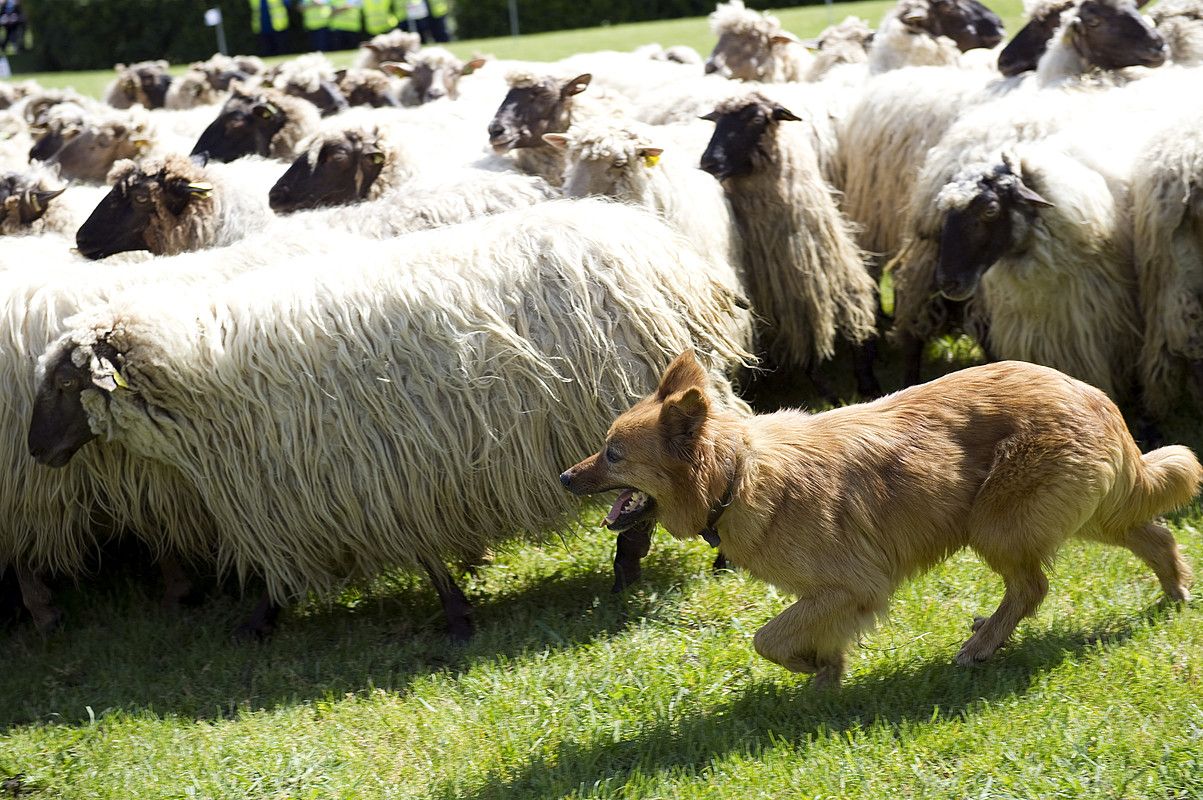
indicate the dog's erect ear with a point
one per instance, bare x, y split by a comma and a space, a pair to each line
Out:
681, 417
683, 373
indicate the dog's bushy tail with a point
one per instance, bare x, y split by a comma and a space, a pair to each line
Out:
1170, 479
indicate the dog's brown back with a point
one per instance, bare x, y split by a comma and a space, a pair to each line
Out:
1009, 459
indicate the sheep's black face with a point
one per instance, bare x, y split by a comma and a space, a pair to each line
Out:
118, 223
245, 127
528, 112
327, 97
343, 173
154, 84
47, 144
1113, 38
59, 426
24, 199
1023, 53
972, 240
738, 137
92, 152
967, 22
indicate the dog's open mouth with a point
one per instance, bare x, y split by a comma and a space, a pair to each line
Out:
631, 507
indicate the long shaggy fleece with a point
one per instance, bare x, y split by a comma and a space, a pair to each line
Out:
1067, 297
902, 40
1167, 193
1180, 23
413, 406
804, 271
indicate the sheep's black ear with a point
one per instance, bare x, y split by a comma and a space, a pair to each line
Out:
34, 203
577, 85
711, 117
339, 74
200, 159
783, 114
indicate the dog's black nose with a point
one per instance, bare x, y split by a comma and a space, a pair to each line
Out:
566, 478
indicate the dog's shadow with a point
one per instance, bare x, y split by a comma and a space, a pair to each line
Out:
766, 713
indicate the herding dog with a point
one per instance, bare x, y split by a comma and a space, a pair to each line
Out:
1010, 459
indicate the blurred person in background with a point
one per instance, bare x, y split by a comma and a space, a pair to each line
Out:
378, 16
427, 18
315, 16
269, 20
346, 24
12, 20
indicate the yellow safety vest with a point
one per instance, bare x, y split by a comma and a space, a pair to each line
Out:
316, 14
378, 16
349, 20
438, 8
276, 12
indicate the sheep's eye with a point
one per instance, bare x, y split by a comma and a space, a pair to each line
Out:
67, 384
141, 198
991, 210
376, 158
612, 455
619, 164
1092, 21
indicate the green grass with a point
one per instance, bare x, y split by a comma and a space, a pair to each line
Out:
805, 21
569, 691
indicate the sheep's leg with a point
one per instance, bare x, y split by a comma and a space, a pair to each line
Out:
176, 584
36, 596
262, 621
863, 357
826, 393
912, 359
632, 545
456, 607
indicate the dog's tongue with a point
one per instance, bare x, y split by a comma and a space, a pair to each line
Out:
616, 509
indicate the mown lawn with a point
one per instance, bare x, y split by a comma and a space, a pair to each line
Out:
569, 691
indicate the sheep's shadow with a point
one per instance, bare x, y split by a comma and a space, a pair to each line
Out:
120, 652
761, 715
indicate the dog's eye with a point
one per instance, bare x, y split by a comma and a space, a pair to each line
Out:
612, 455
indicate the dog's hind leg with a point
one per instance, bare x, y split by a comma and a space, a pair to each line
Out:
631, 546
1155, 545
1026, 587
812, 634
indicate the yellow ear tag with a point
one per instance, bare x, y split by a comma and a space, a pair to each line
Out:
651, 161
200, 189
119, 380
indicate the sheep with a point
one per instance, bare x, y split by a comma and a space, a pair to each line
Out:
192, 89
752, 46
845, 43
1043, 247
355, 164
310, 77
623, 162
14, 142
1100, 36
1024, 51
144, 83
1180, 23
84, 147
433, 372
396, 45
222, 69
932, 33
12, 91
368, 87
803, 269
433, 74
264, 122
36, 202
1167, 192
173, 205
533, 106
679, 53
919, 311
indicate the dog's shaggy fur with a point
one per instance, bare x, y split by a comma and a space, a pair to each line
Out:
1009, 459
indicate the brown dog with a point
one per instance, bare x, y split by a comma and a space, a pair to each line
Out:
838, 508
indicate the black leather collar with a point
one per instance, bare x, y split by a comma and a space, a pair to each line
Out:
710, 532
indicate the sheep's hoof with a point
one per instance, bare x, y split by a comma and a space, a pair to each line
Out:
625, 576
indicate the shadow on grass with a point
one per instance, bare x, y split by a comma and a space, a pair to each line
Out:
763, 715
120, 653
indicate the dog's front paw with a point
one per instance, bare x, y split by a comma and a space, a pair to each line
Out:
974, 652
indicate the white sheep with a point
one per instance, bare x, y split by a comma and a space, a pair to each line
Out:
396, 45
1051, 246
752, 46
804, 272
623, 161
406, 408
845, 43
174, 205
1167, 193
1180, 23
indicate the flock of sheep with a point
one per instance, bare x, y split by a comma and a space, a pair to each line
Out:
354, 320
